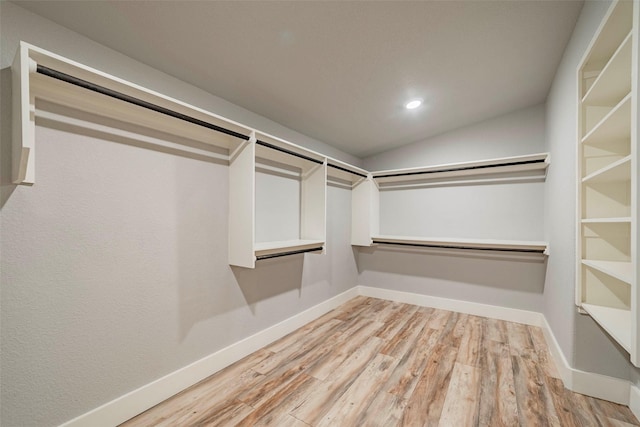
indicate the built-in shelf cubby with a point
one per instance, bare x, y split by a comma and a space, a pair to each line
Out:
607, 182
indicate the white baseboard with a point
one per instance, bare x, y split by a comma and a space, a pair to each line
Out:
131, 404
496, 312
137, 401
589, 383
634, 400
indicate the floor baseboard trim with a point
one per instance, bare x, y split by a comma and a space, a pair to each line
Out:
589, 383
634, 400
133, 403
477, 309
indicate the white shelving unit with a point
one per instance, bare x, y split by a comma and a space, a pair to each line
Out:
39, 74
366, 201
244, 251
607, 244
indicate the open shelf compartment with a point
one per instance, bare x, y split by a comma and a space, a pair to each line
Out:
244, 251
614, 82
621, 270
615, 321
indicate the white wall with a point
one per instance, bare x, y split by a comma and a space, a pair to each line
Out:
500, 211
114, 264
585, 346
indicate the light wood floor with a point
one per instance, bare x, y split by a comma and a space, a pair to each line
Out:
378, 363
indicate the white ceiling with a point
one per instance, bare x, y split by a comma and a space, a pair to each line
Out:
340, 72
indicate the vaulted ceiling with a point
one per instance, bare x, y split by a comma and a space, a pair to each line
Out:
341, 72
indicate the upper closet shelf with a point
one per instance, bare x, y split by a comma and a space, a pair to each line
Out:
530, 162
345, 171
615, 126
39, 74
620, 270
459, 243
614, 82
616, 171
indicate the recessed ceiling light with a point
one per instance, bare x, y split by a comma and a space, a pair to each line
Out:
412, 105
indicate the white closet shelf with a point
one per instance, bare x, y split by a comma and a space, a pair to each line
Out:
620, 22
620, 270
460, 243
614, 82
612, 220
345, 171
492, 166
616, 321
285, 246
615, 126
278, 150
617, 171
39, 74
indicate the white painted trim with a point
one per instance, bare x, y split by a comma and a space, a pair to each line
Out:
600, 386
589, 383
493, 311
562, 365
634, 400
133, 403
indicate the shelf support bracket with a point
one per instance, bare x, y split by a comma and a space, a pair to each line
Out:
23, 118
252, 140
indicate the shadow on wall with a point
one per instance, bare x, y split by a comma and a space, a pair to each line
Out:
510, 271
610, 359
6, 186
271, 277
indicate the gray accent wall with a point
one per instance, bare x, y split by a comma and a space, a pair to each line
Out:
114, 264
498, 210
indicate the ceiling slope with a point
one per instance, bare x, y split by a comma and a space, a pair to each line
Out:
340, 72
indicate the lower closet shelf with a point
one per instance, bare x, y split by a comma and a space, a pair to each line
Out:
459, 243
285, 247
616, 321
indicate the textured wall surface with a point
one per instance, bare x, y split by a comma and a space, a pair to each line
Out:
114, 264
499, 211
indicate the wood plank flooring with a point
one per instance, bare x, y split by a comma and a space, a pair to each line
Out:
378, 363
